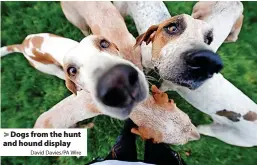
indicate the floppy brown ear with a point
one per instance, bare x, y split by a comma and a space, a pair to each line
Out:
71, 85
232, 37
147, 37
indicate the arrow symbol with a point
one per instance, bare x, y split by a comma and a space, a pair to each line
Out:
6, 134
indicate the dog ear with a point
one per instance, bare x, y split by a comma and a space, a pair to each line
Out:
232, 37
147, 37
71, 85
202, 9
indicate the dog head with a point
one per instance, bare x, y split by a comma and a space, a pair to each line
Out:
115, 84
181, 51
226, 18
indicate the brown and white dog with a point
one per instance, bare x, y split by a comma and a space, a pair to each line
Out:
78, 64
180, 51
226, 26
80, 14
234, 114
44, 52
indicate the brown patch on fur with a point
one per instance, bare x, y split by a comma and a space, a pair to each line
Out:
162, 99
37, 41
161, 37
93, 108
148, 133
44, 58
250, 116
12, 48
231, 115
232, 37
70, 85
147, 36
47, 123
157, 34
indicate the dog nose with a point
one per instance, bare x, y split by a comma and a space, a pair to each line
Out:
117, 87
205, 61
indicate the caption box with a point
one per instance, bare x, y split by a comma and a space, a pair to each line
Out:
43, 142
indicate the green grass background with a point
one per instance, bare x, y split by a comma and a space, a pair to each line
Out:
26, 92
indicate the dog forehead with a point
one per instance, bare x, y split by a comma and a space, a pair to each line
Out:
90, 42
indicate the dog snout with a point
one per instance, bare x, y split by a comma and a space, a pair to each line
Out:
118, 87
205, 61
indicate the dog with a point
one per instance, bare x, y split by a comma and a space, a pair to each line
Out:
181, 49
80, 14
234, 114
76, 109
44, 52
110, 86
226, 18
47, 52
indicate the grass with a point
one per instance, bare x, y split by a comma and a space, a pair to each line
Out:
26, 92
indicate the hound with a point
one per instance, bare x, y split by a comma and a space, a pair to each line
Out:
234, 114
44, 52
181, 49
56, 55
80, 107
226, 18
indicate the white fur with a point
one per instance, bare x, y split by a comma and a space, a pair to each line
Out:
221, 16
214, 95
4, 51
67, 112
92, 64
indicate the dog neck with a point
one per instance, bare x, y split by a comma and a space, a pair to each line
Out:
146, 14
107, 22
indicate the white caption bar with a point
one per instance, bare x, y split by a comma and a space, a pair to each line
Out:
43, 142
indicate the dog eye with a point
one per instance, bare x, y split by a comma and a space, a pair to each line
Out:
171, 28
208, 38
104, 44
72, 71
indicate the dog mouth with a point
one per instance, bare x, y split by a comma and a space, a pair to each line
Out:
189, 85
187, 79
120, 97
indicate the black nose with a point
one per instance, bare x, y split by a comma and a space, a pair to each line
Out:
205, 61
117, 87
